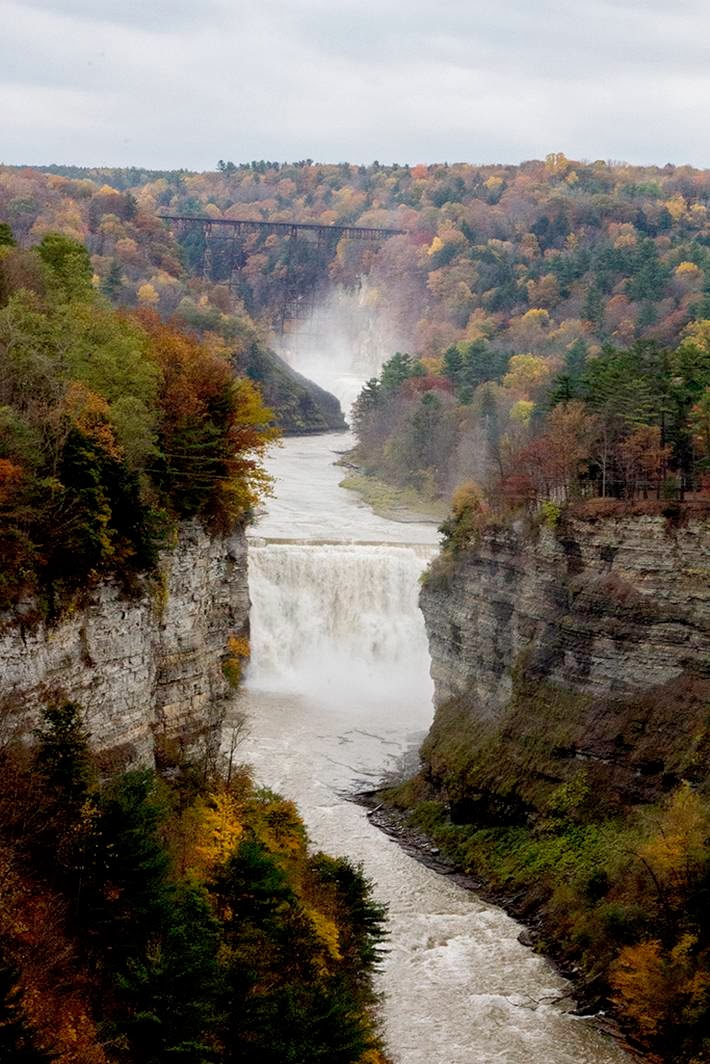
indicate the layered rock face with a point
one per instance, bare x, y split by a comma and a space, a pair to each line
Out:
142, 668
589, 642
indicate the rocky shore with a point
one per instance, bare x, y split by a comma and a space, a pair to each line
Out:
395, 824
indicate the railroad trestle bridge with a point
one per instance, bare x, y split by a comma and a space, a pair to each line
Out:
222, 240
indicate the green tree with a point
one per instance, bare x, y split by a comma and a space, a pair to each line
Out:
69, 264
7, 240
398, 369
62, 756
112, 285
171, 991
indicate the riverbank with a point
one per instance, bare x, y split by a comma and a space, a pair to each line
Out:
397, 825
404, 505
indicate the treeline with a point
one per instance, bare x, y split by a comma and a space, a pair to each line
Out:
523, 431
603, 253
113, 426
146, 921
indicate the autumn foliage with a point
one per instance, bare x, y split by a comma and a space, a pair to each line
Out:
142, 921
113, 426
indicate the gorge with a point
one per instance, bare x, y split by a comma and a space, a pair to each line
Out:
156, 602
147, 670
337, 691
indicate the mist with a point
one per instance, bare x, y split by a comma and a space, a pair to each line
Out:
343, 342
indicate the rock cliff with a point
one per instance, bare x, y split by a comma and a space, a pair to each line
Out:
144, 668
587, 644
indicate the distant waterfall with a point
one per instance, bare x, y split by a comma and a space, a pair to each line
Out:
338, 621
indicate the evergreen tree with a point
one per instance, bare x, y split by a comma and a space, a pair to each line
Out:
112, 284
63, 758
7, 239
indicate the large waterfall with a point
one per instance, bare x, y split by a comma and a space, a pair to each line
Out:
338, 621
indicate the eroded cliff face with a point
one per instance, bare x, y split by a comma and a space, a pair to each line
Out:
147, 668
587, 644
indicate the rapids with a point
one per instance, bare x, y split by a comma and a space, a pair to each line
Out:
338, 690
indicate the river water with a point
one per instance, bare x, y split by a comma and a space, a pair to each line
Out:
338, 690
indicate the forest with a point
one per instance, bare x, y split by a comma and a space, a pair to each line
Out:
177, 915
526, 434
607, 253
552, 357
114, 426
553, 310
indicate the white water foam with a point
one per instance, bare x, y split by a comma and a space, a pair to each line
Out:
338, 621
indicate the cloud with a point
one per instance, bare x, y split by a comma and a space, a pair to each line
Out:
177, 84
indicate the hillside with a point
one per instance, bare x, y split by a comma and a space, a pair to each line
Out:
567, 766
156, 905
609, 252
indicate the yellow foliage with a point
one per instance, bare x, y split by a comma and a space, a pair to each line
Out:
238, 645
432, 365
480, 326
677, 846
689, 275
536, 314
327, 934
688, 268
676, 207
91, 414
219, 830
435, 246
466, 496
557, 163
522, 411
626, 236
238, 652
639, 984
525, 374
653, 986
280, 829
698, 332
147, 295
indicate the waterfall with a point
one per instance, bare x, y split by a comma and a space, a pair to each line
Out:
337, 692
338, 620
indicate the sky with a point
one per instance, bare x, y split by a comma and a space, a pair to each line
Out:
172, 83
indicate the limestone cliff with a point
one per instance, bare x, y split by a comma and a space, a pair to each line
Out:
587, 644
145, 667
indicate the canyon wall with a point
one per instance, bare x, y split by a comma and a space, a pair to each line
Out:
584, 644
146, 668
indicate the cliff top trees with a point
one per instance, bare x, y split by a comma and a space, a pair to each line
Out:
111, 426
623, 423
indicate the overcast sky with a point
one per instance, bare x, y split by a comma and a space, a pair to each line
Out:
171, 83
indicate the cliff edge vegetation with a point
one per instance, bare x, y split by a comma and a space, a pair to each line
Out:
174, 916
568, 617
114, 426
567, 765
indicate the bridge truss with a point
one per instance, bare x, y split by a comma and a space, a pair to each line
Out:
223, 245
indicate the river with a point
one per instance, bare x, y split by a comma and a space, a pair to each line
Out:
338, 690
